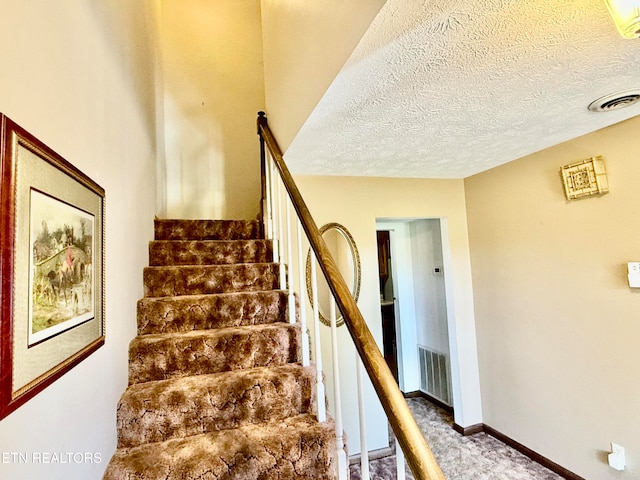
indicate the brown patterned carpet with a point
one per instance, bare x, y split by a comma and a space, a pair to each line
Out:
475, 457
216, 388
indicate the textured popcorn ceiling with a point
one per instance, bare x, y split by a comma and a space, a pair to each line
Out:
450, 88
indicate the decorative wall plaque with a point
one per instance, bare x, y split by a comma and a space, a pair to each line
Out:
585, 178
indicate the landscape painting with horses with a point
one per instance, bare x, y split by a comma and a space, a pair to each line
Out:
61, 281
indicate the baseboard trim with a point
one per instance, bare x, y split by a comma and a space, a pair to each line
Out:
536, 457
373, 455
414, 394
429, 398
470, 430
482, 427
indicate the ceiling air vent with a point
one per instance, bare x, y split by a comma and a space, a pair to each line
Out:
615, 101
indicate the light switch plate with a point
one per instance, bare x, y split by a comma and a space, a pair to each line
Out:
617, 458
634, 274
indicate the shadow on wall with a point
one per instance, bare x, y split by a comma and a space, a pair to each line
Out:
213, 88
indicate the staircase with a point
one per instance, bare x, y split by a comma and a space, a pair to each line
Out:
216, 386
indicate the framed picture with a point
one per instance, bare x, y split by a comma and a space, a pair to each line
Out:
51, 266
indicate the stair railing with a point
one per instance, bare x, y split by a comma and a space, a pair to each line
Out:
275, 176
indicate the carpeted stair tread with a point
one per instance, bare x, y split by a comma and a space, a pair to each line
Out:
209, 252
204, 279
162, 356
201, 312
181, 407
172, 229
297, 448
216, 391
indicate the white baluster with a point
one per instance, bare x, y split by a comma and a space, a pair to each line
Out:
282, 270
292, 297
399, 461
268, 173
303, 304
342, 456
320, 393
364, 450
275, 234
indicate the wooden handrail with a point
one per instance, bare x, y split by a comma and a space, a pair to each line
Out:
417, 453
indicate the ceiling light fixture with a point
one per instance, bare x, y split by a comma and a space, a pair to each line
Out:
626, 15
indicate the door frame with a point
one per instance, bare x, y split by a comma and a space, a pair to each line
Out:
403, 279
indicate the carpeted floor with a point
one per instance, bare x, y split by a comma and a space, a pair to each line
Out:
475, 457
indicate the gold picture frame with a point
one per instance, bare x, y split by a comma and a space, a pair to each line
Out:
348, 260
52, 266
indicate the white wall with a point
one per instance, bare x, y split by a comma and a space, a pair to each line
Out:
356, 202
305, 46
224, 61
80, 77
558, 325
213, 90
431, 307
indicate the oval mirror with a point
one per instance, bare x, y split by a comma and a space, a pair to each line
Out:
345, 253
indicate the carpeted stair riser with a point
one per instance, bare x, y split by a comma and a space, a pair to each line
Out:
209, 252
216, 391
194, 280
298, 448
206, 229
157, 411
163, 356
199, 312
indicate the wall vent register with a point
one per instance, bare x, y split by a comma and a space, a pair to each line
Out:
434, 374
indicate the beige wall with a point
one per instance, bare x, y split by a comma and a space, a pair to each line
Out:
79, 76
213, 89
356, 202
558, 325
219, 59
305, 46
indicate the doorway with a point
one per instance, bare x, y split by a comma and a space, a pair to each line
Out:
414, 307
387, 302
